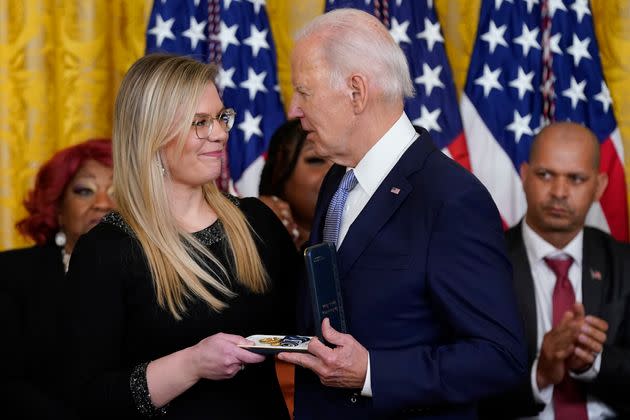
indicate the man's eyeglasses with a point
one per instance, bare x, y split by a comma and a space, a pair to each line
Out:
203, 124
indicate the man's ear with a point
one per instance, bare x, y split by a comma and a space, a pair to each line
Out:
523, 171
602, 183
358, 92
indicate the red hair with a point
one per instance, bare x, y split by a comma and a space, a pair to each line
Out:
42, 202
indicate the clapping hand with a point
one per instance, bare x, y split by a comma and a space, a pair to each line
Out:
557, 346
590, 341
572, 344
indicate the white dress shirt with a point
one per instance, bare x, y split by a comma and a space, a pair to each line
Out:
370, 172
374, 167
544, 283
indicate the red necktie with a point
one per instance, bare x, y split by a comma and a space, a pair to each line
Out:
569, 398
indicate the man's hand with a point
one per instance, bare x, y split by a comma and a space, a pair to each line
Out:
589, 344
558, 345
345, 366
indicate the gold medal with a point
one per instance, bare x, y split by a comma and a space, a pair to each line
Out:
272, 341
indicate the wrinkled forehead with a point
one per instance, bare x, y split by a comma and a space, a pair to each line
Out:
309, 50
564, 160
308, 70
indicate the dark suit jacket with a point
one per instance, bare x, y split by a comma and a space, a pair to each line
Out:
426, 289
31, 289
606, 294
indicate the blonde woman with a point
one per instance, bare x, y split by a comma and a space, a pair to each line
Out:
165, 289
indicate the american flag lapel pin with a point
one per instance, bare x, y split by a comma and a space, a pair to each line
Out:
395, 190
596, 275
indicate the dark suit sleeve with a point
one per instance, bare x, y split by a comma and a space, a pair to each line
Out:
613, 381
469, 281
516, 403
98, 381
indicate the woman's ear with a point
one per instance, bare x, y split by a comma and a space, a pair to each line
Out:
58, 210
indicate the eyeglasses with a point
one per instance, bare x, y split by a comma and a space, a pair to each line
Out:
203, 124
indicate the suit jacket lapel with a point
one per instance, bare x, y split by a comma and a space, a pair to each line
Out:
594, 273
378, 209
524, 288
374, 215
384, 202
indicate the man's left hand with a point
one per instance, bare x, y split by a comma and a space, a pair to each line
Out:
589, 344
344, 366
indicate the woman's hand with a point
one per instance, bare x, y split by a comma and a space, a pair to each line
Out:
216, 357
219, 357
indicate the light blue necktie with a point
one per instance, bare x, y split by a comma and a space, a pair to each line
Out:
335, 209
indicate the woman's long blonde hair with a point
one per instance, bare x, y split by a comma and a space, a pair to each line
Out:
156, 104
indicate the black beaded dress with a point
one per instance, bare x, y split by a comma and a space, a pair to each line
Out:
117, 324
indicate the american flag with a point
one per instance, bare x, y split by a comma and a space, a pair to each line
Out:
534, 61
416, 29
236, 35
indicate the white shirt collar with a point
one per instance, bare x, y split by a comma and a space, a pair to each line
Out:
537, 248
382, 157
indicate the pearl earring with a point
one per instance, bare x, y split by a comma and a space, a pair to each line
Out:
60, 238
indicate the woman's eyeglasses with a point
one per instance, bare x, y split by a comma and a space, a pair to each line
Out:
203, 124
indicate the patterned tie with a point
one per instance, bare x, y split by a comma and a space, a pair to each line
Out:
335, 209
569, 398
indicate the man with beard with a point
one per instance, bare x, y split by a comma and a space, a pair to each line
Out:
572, 287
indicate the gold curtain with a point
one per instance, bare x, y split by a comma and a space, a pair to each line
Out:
60, 65
61, 62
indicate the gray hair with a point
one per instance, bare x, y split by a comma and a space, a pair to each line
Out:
353, 40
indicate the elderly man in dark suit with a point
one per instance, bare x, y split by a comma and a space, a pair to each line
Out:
573, 288
426, 282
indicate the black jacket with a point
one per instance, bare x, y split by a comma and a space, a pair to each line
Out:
606, 294
31, 292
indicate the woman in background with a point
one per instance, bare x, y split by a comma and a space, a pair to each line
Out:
72, 193
164, 291
289, 185
291, 178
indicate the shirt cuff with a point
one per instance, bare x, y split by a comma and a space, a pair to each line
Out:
542, 396
591, 373
366, 391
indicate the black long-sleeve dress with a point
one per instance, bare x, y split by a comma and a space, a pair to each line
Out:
116, 323
31, 288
